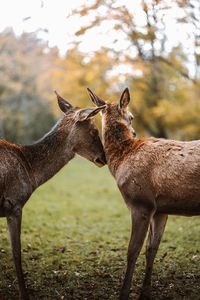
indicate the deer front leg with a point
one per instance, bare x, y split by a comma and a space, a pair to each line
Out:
14, 226
156, 230
140, 221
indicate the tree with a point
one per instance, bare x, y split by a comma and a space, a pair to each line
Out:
74, 73
191, 10
146, 48
25, 113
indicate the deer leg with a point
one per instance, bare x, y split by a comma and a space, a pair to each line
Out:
14, 226
140, 222
156, 230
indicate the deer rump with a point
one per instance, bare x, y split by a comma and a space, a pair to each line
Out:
14, 174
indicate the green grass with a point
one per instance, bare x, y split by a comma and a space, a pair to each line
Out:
75, 234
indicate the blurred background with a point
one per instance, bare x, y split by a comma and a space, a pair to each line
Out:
151, 46
76, 226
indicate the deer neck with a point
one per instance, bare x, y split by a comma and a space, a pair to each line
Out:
119, 143
116, 137
47, 156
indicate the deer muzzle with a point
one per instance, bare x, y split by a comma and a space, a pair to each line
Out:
133, 132
100, 161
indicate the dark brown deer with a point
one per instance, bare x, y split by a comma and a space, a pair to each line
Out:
156, 177
25, 167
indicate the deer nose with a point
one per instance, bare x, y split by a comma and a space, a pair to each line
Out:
100, 161
133, 133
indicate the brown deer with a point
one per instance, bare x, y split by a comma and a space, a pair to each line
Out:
25, 167
156, 177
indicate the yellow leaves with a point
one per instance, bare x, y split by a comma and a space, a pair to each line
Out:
74, 73
81, 31
90, 76
145, 6
162, 109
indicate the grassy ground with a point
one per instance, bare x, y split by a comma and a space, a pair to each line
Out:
75, 235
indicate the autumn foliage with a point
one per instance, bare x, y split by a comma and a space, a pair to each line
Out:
163, 77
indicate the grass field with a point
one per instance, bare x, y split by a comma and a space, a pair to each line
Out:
75, 234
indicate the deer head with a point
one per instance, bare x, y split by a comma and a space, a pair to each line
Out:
115, 112
83, 134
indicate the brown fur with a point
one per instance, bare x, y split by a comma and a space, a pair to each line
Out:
118, 140
25, 167
156, 177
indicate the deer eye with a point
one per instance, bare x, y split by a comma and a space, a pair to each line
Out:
131, 117
94, 132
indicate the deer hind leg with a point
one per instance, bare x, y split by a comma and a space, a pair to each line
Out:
156, 230
140, 221
14, 226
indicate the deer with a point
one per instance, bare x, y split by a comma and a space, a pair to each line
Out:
26, 167
156, 177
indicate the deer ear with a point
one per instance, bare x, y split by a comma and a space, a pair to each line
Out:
125, 99
87, 113
63, 104
95, 99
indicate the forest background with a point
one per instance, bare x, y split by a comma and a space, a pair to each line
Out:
74, 243
151, 46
